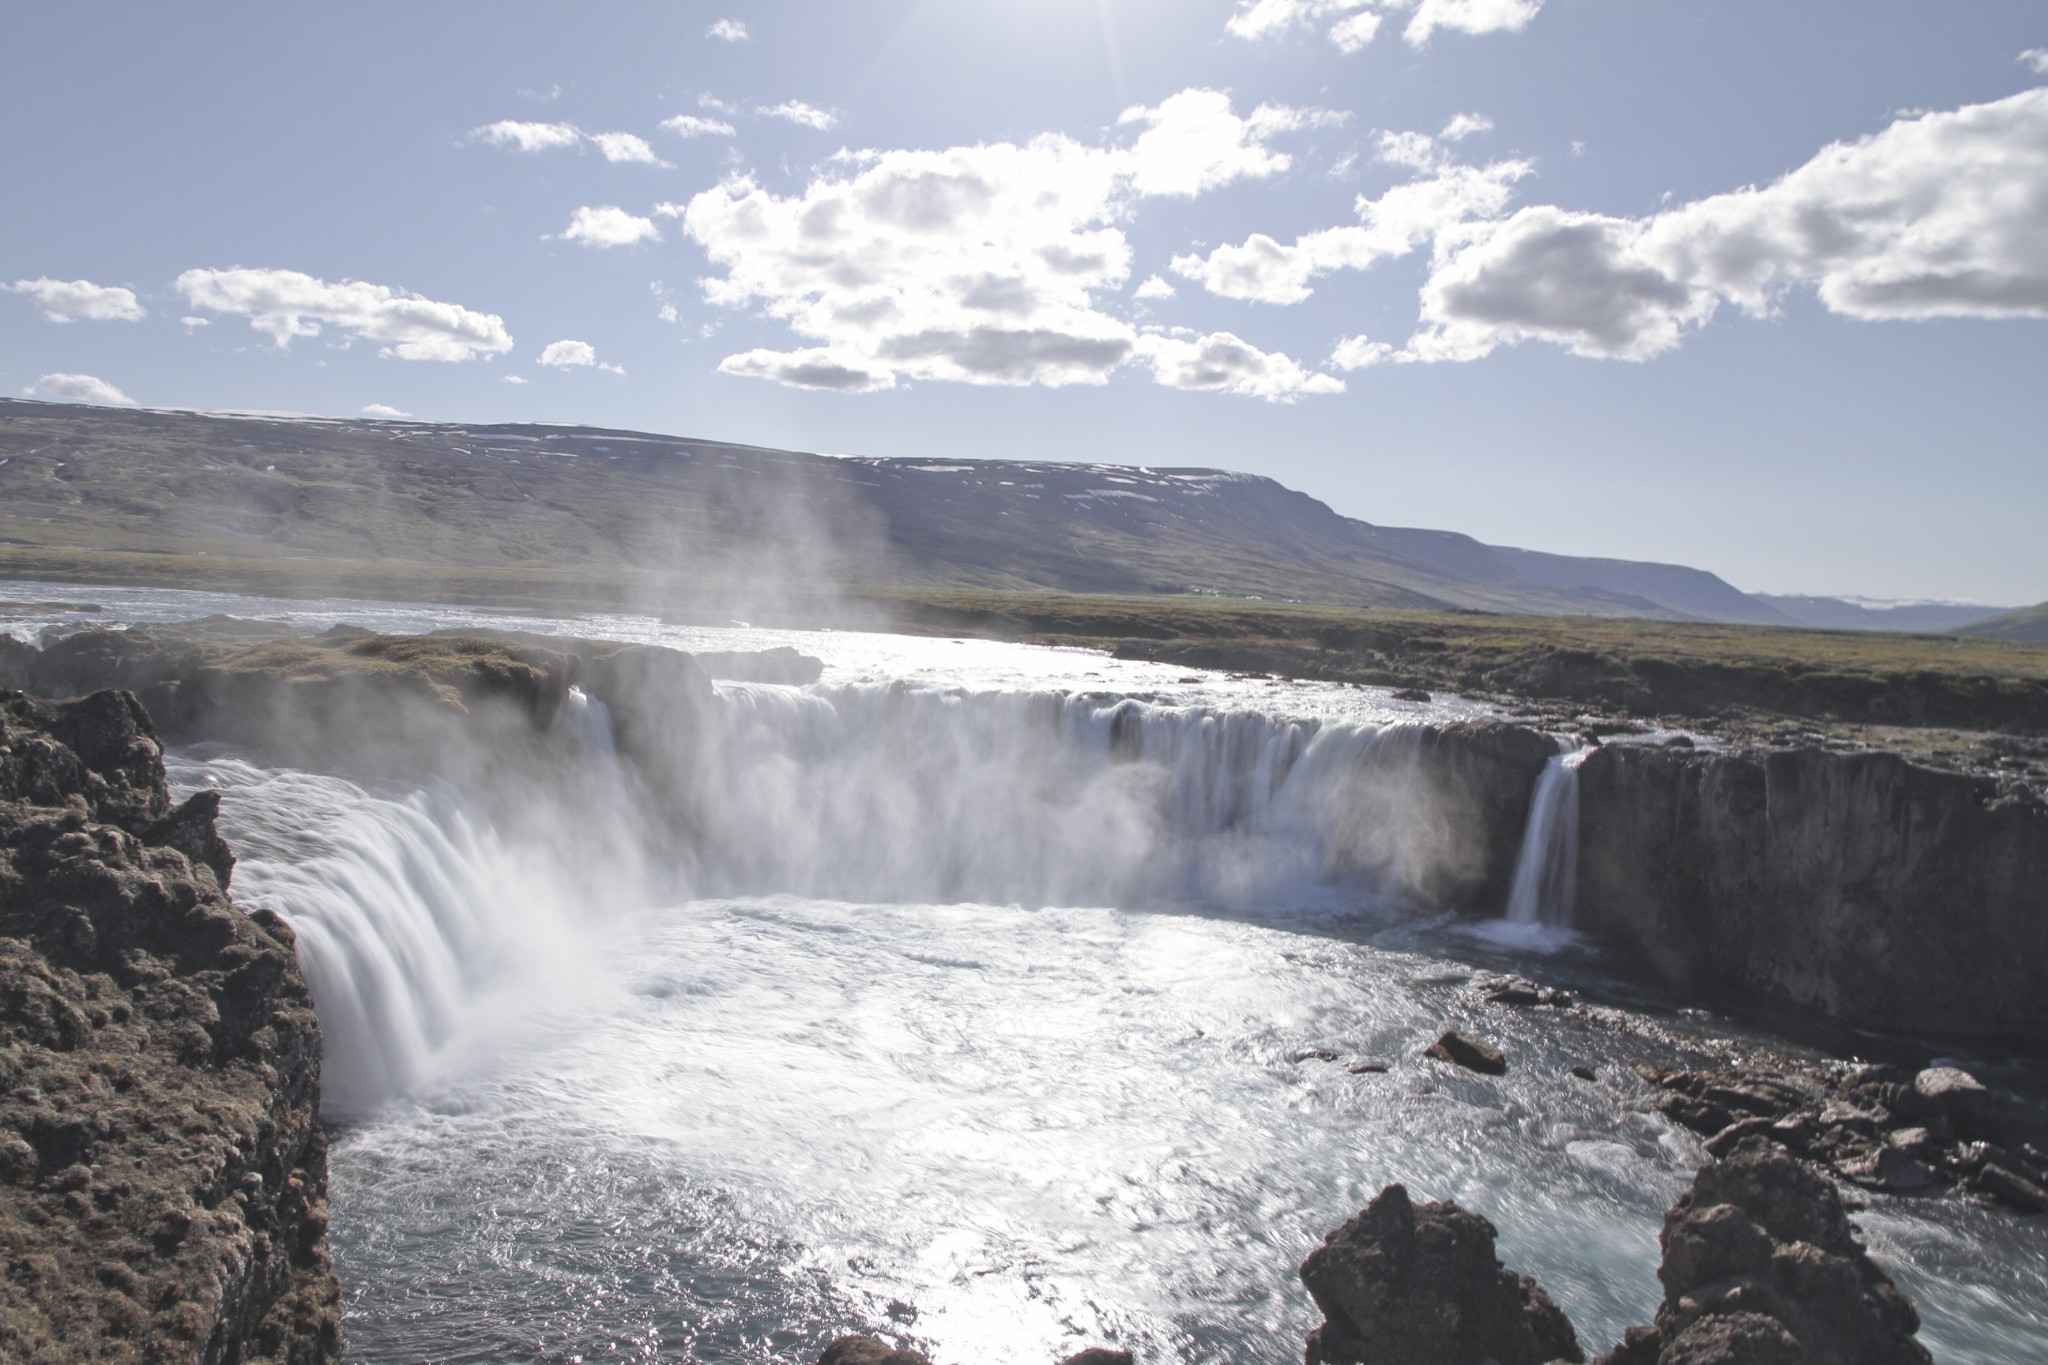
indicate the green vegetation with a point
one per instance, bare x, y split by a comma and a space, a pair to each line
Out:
2028, 623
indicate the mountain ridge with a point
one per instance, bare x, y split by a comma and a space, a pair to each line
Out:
313, 494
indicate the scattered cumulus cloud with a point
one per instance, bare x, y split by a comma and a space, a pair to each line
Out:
80, 388
515, 379
573, 355
690, 125
727, 31
384, 410
1404, 219
192, 322
548, 137
284, 304
1935, 216
2035, 59
626, 147
801, 114
983, 264
80, 300
529, 137
1352, 24
1154, 287
1463, 126
607, 225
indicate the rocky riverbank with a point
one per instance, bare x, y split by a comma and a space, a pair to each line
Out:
163, 1171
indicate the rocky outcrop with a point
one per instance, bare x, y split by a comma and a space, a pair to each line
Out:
1408, 1284
1857, 885
1761, 1267
163, 1173
1875, 1125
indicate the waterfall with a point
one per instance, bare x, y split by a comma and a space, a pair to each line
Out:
415, 909
1546, 870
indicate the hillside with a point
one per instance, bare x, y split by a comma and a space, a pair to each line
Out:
2028, 624
541, 513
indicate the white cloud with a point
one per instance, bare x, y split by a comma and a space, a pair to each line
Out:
2036, 60
283, 304
1356, 353
1463, 126
80, 300
567, 354
1193, 142
515, 379
1401, 220
607, 225
1154, 288
1416, 150
977, 264
383, 410
727, 31
707, 100
530, 137
804, 115
626, 147
81, 388
193, 324
689, 125
1935, 216
1221, 363
1352, 24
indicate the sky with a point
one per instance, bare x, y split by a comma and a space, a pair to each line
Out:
1760, 288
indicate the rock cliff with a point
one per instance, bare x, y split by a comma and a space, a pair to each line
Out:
163, 1171
1856, 885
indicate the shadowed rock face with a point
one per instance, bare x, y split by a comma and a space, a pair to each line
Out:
1403, 1284
163, 1172
1858, 885
1761, 1267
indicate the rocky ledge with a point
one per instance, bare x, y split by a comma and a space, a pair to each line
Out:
163, 1173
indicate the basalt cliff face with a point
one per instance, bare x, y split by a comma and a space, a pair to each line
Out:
1859, 886
163, 1171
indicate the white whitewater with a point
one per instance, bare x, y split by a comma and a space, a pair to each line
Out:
1545, 888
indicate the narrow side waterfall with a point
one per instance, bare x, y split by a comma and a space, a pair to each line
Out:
1547, 868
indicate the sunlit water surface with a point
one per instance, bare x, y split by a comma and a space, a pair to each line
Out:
576, 1121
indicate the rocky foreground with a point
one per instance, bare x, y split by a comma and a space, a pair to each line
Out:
163, 1173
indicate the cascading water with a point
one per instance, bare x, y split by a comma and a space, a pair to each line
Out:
1546, 869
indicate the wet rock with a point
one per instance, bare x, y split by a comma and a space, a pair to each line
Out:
2008, 1188
1368, 1068
1464, 1050
1892, 1169
1099, 1355
1725, 1141
858, 1350
1515, 993
1761, 1266
1407, 1284
1410, 694
1585, 1073
1312, 1054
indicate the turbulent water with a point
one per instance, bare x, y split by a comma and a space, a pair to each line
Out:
1003, 1000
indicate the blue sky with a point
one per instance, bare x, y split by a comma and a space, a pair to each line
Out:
1750, 286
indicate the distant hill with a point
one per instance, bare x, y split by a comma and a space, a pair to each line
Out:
584, 512
1838, 613
2029, 624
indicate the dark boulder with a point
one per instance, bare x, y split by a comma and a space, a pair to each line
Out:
1761, 1266
1099, 1355
1463, 1050
857, 1350
1402, 1284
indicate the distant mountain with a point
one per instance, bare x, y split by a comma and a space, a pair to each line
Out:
2029, 624
584, 511
1845, 613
